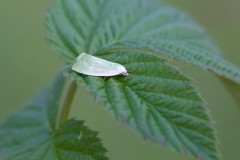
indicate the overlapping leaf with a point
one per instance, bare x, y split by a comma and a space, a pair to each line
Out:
31, 134
156, 100
94, 26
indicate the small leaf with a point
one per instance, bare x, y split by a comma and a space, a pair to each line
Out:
94, 26
31, 134
156, 100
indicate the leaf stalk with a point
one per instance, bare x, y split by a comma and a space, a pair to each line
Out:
65, 109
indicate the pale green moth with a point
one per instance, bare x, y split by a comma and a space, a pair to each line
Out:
94, 66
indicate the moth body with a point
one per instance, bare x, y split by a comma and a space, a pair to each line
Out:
94, 66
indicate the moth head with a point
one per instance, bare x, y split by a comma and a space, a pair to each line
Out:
125, 73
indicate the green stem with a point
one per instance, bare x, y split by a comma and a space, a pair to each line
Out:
233, 88
64, 112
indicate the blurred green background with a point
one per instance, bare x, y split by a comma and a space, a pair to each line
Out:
27, 63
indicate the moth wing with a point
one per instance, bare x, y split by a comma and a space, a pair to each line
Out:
90, 65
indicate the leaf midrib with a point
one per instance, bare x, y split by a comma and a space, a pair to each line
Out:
147, 103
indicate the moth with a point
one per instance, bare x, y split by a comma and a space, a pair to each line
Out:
94, 66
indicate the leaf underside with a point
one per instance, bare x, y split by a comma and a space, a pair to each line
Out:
156, 100
31, 134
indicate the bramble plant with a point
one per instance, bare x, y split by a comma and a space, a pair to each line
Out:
155, 99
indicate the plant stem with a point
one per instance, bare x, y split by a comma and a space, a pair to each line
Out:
64, 112
233, 88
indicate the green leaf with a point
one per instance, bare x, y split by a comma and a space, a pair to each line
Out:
31, 134
156, 100
94, 26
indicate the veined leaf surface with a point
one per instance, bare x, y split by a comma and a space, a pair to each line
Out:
31, 134
156, 100
98, 26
